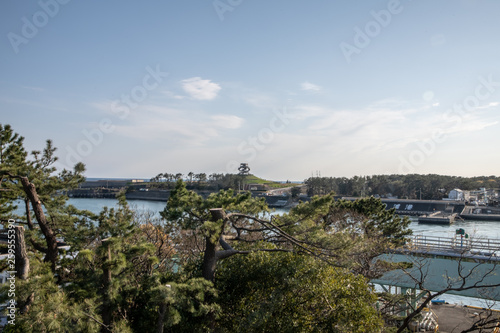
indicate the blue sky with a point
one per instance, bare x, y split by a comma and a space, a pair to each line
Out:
292, 87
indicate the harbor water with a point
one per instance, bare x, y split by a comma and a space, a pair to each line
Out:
487, 229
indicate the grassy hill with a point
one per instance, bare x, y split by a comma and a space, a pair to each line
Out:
252, 179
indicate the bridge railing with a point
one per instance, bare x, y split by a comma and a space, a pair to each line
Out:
484, 246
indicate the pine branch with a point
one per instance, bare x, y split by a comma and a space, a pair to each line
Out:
38, 246
97, 321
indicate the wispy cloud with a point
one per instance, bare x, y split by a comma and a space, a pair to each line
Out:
39, 104
381, 126
227, 121
38, 89
186, 127
489, 105
308, 86
171, 94
384, 126
259, 100
200, 89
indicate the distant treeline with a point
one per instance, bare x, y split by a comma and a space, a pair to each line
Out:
414, 186
202, 181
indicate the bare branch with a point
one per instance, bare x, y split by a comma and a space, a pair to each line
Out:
97, 321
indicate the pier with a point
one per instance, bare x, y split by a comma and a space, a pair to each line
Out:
480, 213
461, 246
460, 265
447, 263
439, 211
438, 218
415, 207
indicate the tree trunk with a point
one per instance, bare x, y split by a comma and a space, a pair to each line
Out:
25, 307
161, 317
28, 214
50, 237
22, 261
210, 258
106, 282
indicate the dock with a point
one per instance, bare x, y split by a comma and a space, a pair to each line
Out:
480, 213
415, 207
457, 318
438, 218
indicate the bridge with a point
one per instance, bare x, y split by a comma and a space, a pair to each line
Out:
463, 262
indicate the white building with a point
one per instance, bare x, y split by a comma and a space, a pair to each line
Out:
456, 194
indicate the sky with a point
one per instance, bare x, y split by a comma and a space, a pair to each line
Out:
293, 88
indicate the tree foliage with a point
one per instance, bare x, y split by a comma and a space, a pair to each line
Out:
111, 279
198, 181
12, 156
287, 292
348, 234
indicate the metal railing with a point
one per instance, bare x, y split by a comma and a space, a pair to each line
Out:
477, 245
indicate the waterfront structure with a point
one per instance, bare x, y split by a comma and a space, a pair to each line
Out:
480, 213
438, 218
458, 194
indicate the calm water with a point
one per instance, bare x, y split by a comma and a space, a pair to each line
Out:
474, 228
96, 205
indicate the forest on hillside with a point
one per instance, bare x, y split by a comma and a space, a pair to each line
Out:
412, 186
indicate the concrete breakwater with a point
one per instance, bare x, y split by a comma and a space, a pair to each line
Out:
481, 213
93, 193
154, 195
161, 195
415, 207
96, 193
424, 207
447, 208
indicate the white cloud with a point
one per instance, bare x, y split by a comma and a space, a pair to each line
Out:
382, 126
489, 105
227, 121
186, 128
259, 100
308, 86
200, 89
